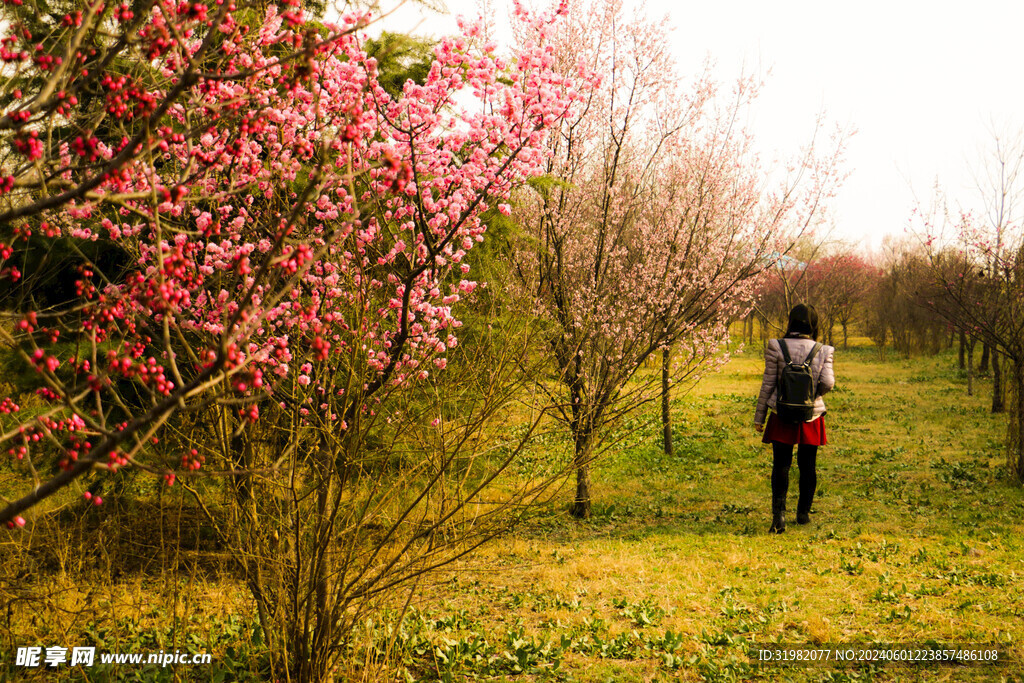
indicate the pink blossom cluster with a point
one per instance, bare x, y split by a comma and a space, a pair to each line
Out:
284, 211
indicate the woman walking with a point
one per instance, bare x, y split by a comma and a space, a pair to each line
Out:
796, 348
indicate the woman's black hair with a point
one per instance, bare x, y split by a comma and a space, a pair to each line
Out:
803, 319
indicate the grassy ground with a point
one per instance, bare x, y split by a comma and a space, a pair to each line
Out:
916, 537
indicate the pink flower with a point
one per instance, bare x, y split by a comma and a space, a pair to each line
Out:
230, 257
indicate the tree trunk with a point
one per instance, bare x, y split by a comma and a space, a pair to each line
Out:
963, 346
846, 338
983, 364
581, 460
998, 406
1015, 432
666, 417
320, 572
970, 367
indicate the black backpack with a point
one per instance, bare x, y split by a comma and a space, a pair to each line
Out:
797, 388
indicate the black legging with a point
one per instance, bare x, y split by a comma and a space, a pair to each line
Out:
805, 460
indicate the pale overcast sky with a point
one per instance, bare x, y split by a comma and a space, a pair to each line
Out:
921, 81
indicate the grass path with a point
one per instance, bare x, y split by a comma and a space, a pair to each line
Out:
916, 537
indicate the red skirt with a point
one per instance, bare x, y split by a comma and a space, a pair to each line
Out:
811, 433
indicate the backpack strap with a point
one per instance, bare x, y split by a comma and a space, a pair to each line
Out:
807, 361
785, 351
810, 356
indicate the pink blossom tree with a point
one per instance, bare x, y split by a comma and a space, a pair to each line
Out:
650, 226
271, 206
294, 243
855, 276
836, 284
801, 274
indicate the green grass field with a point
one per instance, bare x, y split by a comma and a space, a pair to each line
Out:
916, 538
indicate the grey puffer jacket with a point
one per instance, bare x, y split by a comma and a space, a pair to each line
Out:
798, 347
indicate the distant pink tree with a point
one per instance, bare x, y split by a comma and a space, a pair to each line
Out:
780, 288
651, 225
837, 284
855, 275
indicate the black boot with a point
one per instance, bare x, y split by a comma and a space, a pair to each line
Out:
803, 511
778, 516
806, 456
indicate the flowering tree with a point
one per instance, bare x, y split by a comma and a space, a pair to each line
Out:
836, 284
783, 286
291, 242
854, 278
650, 226
815, 270
261, 201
